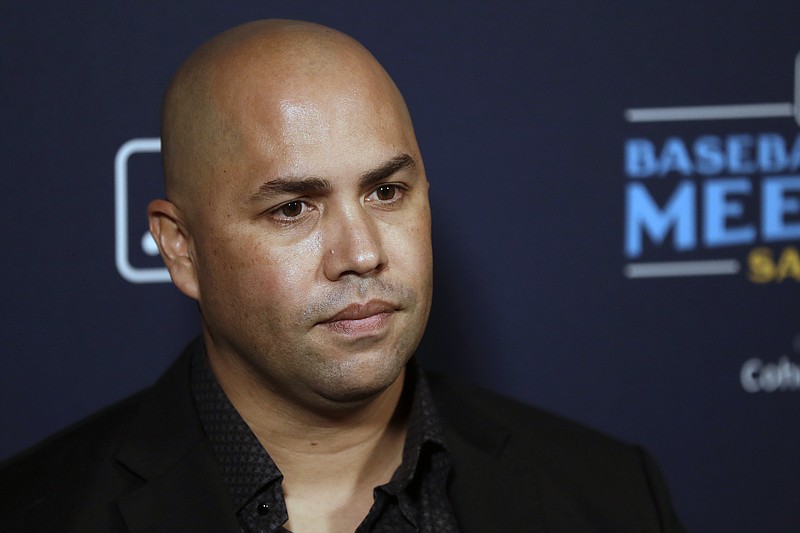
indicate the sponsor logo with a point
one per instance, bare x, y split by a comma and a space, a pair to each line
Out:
757, 375
704, 199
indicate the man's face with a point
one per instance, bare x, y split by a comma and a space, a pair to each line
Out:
311, 240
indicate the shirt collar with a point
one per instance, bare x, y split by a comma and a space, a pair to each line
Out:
245, 466
250, 473
424, 433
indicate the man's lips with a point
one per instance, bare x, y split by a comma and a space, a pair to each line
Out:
361, 318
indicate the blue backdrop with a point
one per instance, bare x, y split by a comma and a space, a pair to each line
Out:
616, 198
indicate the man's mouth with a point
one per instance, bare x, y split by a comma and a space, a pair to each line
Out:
361, 319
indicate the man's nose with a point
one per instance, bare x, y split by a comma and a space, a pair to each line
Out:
353, 244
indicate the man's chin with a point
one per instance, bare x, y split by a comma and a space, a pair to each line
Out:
359, 378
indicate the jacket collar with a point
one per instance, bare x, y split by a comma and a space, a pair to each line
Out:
183, 489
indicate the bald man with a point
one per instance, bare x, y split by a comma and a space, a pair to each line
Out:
297, 217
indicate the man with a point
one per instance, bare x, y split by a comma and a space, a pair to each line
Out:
298, 219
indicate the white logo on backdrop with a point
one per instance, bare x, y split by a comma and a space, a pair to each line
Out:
146, 242
757, 375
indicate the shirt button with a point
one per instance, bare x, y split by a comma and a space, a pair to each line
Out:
262, 509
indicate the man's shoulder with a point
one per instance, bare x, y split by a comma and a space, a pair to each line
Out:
99, 432
465, 404
67, 471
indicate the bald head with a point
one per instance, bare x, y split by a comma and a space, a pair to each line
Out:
296, 190
249, 79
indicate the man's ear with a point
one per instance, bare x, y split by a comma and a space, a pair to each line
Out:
174, 243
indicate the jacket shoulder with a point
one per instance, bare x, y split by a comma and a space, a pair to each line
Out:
68, 470
577, 478
463, 404
85, 438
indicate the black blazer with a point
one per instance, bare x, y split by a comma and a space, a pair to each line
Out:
145, 465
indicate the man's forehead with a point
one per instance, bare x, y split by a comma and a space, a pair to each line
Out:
298, 94
336, 119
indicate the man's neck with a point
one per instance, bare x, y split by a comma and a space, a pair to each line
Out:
330, 461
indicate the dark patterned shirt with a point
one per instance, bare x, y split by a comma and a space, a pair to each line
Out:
415, 500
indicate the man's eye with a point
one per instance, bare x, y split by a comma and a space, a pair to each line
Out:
386, 192
291, 209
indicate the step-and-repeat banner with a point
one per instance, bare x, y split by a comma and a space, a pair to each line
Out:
616, 199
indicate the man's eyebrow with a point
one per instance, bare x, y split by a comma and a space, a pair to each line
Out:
291, 186
393, 165
314, 185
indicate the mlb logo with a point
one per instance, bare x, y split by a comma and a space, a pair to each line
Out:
137, 180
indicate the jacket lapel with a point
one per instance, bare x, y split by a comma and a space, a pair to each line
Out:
183, 489
190, 496
485, 492
487, 482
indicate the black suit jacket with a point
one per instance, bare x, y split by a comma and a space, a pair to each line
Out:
145, 465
